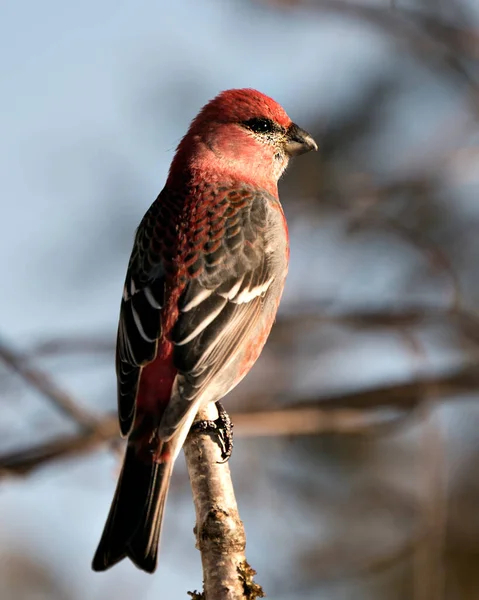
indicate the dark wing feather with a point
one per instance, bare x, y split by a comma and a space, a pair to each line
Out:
229, 271
140, 326
221, 306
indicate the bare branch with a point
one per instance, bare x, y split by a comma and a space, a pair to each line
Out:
304, 421
46, 386
305, 314
347, 413
410, 394
24, 461
429, 580
74, 345
220, 535
427, 36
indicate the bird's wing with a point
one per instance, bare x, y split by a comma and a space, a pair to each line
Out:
140, 316
228, 271
223, 300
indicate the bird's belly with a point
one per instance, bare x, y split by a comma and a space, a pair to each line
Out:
241, 361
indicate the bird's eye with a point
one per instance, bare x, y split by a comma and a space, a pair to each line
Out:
260, 125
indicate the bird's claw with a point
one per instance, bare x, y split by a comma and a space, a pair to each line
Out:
222, 427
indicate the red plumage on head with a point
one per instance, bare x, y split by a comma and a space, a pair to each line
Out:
240, 105
219, 148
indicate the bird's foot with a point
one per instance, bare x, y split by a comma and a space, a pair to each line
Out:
222, 428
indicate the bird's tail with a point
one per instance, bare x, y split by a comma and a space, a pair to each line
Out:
134, 522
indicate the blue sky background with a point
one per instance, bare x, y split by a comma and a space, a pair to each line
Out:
95, 97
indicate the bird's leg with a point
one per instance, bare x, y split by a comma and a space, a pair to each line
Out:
222, 427
225, 432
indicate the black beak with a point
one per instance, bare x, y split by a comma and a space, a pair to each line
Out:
298, 141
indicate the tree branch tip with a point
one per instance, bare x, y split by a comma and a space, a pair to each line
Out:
252, 590
196, 595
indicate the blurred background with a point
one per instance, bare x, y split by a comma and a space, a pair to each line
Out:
357, 431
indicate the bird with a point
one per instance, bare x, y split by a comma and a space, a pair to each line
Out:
202, 289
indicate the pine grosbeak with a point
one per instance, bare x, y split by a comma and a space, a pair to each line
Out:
202, 289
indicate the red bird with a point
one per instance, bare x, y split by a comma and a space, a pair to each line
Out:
202, 289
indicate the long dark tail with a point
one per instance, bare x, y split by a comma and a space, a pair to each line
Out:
134, 522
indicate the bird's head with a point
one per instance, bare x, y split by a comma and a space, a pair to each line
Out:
241, 135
